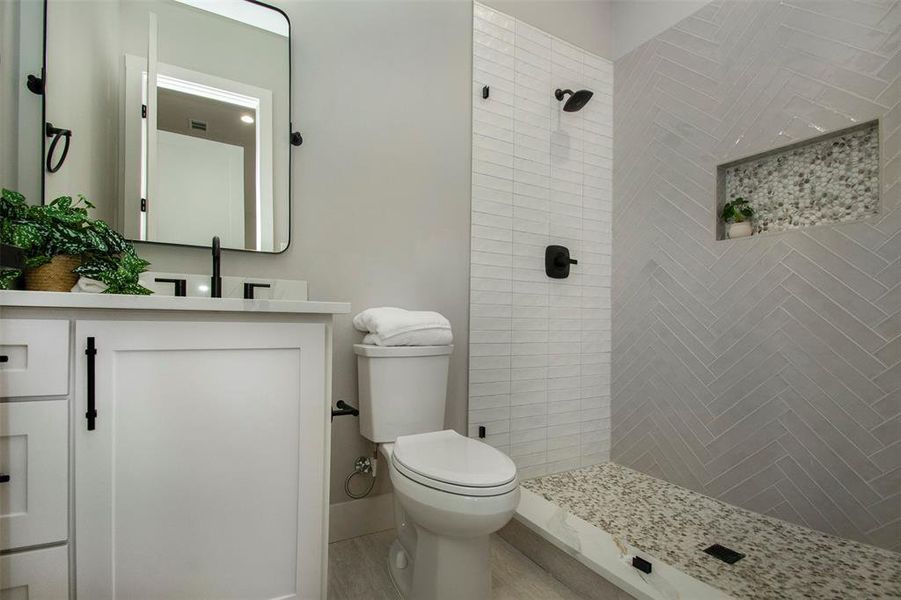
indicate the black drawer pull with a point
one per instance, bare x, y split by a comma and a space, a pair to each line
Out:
4, 478
4, 358
91, 414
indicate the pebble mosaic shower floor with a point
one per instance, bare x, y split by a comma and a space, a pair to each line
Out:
831, 179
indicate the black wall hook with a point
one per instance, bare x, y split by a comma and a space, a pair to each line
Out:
56, 133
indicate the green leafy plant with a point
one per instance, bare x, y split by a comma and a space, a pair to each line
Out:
63, 227
737, 211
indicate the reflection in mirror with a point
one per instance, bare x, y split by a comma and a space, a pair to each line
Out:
201, 89
21, 121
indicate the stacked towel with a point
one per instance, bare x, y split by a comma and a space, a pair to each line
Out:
387, 326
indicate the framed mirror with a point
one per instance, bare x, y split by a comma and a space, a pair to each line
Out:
21, 107
179, 113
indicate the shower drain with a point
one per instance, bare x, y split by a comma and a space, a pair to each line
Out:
727, 555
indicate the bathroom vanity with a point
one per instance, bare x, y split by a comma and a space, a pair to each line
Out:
164, 447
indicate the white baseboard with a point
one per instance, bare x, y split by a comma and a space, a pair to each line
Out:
360, 517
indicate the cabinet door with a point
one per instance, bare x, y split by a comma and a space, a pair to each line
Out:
204, 475
41, 574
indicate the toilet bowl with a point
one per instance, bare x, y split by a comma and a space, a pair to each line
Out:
451, 493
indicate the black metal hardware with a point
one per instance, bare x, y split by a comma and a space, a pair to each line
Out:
485, 92
576, 99
35, 84
12, 257
4, 358
91, 414
216, 278
296, 138
557, 261
343, 408
481, 431
249, 287
4, 478
143, 204
641, 564
143, 111
181, 285
56, 133
727, 555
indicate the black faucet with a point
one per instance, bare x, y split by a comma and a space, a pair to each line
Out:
216, 279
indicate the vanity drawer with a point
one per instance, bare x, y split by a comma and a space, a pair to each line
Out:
36, 575
36, 359
34, 445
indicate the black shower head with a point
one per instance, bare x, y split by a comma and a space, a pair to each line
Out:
576, 99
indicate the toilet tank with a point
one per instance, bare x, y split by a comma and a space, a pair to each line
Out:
402, 389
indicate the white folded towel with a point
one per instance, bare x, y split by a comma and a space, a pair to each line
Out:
388, 326
86, 285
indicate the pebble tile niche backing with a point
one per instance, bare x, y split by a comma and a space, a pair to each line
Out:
830, 179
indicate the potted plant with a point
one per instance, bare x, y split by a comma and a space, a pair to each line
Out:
737, 215
61, 243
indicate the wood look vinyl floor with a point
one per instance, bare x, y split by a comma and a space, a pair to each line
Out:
358, 570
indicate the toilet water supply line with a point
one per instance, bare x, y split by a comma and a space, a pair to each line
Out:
362, 465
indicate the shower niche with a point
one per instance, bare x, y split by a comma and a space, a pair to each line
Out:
832, 178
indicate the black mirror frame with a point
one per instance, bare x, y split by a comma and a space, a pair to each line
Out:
289, 135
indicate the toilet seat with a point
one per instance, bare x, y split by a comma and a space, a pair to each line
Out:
450, 462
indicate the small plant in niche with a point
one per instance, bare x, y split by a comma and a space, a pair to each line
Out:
737, 215
61, 242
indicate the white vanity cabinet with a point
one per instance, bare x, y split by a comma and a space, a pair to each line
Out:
186, 458
189, 483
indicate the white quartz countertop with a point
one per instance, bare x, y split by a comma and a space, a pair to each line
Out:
160, 302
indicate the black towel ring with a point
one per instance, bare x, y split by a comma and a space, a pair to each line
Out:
56, 133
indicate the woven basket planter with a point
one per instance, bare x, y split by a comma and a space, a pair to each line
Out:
55, 276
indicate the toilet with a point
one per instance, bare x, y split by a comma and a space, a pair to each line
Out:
450, 492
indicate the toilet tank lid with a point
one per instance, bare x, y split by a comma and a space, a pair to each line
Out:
401, 351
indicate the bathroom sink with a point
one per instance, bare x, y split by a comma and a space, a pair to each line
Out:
198, 286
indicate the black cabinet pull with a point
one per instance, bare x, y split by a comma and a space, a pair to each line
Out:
181, 285
4, 478
91, 414
4, 358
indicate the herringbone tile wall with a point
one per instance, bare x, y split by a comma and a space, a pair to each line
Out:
765, 371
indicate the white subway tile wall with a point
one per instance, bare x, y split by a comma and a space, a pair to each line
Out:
539, 367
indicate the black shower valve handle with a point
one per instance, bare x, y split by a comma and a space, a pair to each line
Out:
557, 262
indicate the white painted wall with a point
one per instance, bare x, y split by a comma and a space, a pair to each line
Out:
633, 22
539, 379
607, 28
381, 186
584, 23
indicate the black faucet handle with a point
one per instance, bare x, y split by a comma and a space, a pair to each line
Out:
181, 285
249, 287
